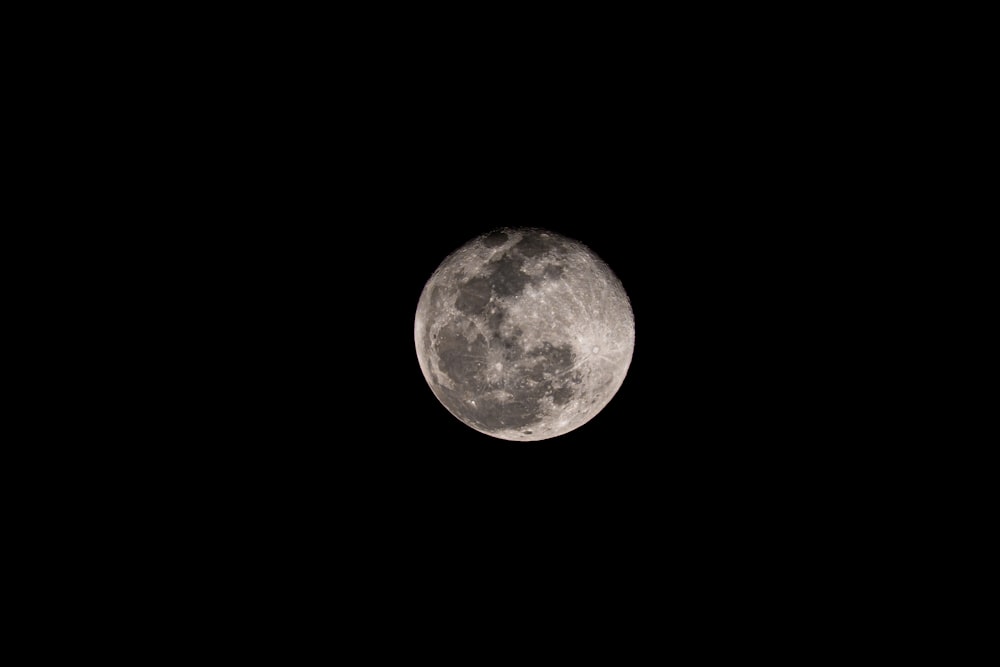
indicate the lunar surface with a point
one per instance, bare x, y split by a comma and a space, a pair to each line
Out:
524, 334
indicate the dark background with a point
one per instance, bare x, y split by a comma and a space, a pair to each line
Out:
315, 184
717, 233
722, 411
711, 184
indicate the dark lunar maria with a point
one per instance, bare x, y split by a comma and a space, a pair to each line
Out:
524, 334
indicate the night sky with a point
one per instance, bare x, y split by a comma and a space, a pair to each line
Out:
312, 184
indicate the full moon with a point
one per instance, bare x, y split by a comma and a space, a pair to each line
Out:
524, 334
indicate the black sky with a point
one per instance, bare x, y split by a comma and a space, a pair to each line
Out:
312, 184
715, 268
713, 203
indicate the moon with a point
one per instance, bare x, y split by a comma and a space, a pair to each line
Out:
524, 334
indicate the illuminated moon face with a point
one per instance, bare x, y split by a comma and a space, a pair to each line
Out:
524, 334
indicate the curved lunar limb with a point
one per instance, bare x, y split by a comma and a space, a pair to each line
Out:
524, 334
